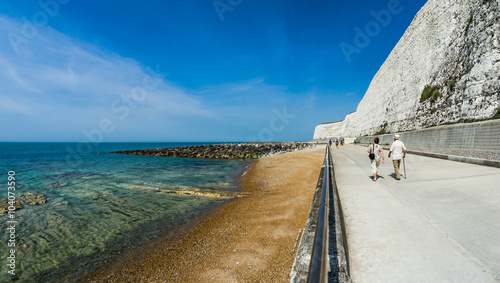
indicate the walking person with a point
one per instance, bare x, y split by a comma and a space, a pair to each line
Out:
398, 151
378, 152
337, 143
330, 142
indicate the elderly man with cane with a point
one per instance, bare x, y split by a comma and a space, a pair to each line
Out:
398, 151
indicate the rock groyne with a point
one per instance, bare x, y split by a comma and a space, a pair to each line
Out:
223, 151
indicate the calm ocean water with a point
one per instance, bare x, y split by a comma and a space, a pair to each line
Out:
99, 205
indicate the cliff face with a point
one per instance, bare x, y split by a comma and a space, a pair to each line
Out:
326, 131
445, 69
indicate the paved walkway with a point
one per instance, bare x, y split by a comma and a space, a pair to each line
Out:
441, 224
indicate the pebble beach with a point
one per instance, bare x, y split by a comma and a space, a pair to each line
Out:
253, 238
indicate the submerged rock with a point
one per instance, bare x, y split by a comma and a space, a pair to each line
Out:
4, 205
78, 175
97, 198
58, 184
204, 193
27, 198
32, 198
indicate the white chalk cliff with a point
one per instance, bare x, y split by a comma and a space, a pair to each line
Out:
451, 45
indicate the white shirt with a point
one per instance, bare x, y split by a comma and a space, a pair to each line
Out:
397, 149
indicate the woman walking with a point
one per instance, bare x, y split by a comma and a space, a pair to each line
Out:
377, 150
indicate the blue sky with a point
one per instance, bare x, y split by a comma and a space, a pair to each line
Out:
223, 70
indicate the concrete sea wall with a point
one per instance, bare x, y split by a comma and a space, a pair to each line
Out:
481, 136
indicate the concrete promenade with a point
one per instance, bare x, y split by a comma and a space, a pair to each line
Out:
441, 224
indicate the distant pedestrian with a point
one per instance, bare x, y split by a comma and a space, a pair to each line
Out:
337, 143
330, 142
398, 151
378, 152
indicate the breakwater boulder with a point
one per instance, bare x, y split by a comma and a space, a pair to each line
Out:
223, 151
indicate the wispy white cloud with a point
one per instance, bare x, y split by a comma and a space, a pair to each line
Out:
311, 98
10, 106
71, 85
245, 86
60, 86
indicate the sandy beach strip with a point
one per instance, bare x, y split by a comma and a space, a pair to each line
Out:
250, 239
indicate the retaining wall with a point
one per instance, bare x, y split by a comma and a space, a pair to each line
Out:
483, 136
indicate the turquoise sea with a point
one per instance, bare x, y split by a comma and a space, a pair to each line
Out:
99, 204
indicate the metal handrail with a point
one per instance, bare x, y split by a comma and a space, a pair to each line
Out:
319, 266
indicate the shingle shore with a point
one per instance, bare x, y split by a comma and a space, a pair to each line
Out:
250, 239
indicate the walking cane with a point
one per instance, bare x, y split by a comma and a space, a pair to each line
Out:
404, 167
